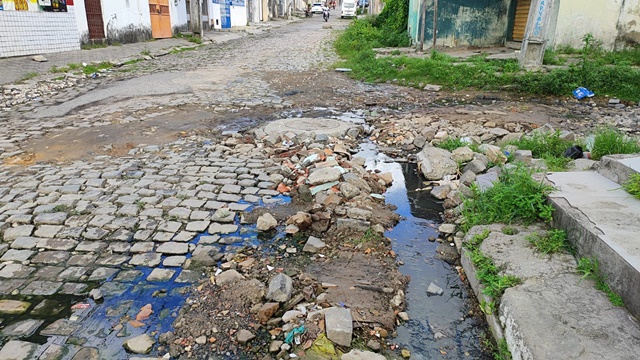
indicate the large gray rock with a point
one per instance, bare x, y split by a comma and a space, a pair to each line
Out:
266, 222
280, 288
324, 175
13, 307
436, 163
140, 344
313, 245
228, 277
463, 154
475, 166
339, 325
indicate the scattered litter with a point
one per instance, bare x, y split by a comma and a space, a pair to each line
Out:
80, 306
574, 152
292, 334
343, 70
582, 92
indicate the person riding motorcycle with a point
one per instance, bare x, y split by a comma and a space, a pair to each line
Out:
325, 13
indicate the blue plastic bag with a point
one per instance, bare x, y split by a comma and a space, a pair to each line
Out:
582, 92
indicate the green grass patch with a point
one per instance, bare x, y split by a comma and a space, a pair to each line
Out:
515, 197
609, 141
551, 242
451, 144
28, 76
590, 269
487, 272
632, 186
182, 49
548, 146
93, 68
605, 73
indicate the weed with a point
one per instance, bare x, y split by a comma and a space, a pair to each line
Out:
503, 352
551, 58
58, 78
28, 76
487, 308
182, 49
515, 197
94, 68
451, 144
632, 186
609, 141
370, 236
139, 204
543, 144
61, 208
145, 52
510, 230
551, 242
590, 269
194, 39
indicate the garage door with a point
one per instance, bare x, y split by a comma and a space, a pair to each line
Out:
520, 22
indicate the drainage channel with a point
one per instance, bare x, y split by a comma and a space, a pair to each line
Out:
444, 326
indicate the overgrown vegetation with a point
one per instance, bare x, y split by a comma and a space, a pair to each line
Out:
94, 45
590, 269
515, 197
451, 144
632, 186
487, 272
551, 242
548, 146
609, 141
605, 73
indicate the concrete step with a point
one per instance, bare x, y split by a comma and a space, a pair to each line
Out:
602, 221
618, 168
553, 313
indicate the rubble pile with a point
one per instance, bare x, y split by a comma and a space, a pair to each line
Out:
275, 302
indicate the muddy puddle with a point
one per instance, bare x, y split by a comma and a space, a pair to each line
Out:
440, 326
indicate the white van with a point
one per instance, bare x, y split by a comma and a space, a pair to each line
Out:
348, 9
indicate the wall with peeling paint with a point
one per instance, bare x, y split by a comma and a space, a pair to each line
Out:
629, 25
463, 22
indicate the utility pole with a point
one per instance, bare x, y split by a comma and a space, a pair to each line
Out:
196, 18
435, 24
423, 24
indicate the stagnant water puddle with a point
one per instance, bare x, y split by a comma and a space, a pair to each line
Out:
75, 319
439, 326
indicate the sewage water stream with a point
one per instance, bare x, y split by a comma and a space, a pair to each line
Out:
440, 327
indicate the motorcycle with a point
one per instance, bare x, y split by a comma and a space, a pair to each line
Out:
325, 15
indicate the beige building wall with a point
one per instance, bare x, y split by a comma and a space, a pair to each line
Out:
577, 18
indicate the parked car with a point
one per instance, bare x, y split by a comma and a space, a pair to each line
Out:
348, 9
317, 8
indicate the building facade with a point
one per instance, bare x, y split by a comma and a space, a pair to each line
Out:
616, 23
44, 26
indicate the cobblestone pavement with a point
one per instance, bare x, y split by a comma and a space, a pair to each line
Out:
128, 225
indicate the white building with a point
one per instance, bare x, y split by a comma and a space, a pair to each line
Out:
45, 26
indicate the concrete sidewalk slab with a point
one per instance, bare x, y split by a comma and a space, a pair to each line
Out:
618, 168
553, 313
603, 221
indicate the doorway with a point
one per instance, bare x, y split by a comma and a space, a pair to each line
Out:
93, 10
520, 19
160, 19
